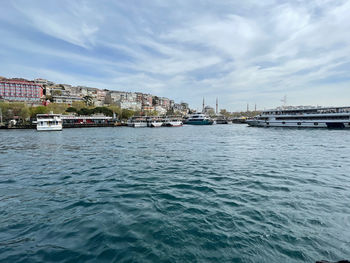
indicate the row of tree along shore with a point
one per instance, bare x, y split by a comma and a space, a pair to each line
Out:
24, 114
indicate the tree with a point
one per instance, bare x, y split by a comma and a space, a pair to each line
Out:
37, 110
225, 113
117, 110
155, 100
151, 113
24, 113
88, 100
57, 108
56, 92
78, 104
126, 114
71, 109
211, 112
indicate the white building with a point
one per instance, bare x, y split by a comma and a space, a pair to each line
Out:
130, 105
161, 110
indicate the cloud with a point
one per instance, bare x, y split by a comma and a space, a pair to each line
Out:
71, 21
251, 51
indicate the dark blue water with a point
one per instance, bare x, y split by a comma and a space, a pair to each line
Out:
224, 193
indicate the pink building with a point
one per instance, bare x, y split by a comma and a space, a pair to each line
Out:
20, 90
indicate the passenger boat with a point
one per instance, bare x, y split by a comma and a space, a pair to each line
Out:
308, 117
173, 122
137, 122
154, 122
48, 122
199, 119
221, 120
239, 120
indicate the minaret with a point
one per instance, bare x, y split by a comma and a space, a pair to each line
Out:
255, 107
247, 107
203, 105
217, 106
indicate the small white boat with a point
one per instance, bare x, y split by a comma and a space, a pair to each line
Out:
154, 122
48, 122
173, 122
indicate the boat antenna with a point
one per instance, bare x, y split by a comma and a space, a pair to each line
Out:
284, 100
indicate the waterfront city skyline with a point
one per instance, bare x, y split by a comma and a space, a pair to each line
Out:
249, 52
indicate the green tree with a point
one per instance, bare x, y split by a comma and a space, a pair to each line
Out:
88, 100
117, 110
33, 111
78, 104
211, 112
71, 109
57, 108
24, 113
56, 92
126, 114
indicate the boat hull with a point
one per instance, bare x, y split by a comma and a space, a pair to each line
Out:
139, 125
203, 122
173, 124
51, 128
156, 124
300, 124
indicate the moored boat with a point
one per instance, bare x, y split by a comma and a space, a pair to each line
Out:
48, 122
154, 122
173, 122
199, 119
303, 117
221, 120
137, 122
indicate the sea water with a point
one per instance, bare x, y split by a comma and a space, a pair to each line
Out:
221, 193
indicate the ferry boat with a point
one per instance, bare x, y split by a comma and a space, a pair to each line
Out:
199, 119
303, 117
173, 122
154, 122
48, 122
137, 122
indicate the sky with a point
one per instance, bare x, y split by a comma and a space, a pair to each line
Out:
240, 52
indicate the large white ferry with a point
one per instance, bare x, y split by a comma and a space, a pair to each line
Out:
308, 117
48, 122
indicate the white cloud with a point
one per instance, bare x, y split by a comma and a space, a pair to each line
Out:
71, 21
252, 51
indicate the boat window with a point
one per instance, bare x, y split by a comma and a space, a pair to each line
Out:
283, 122
299, 123
315, 123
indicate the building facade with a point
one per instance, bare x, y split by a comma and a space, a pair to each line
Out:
20, 90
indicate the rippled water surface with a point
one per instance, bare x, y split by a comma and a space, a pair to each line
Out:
221, 193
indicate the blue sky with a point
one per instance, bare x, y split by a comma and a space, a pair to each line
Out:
239, 51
